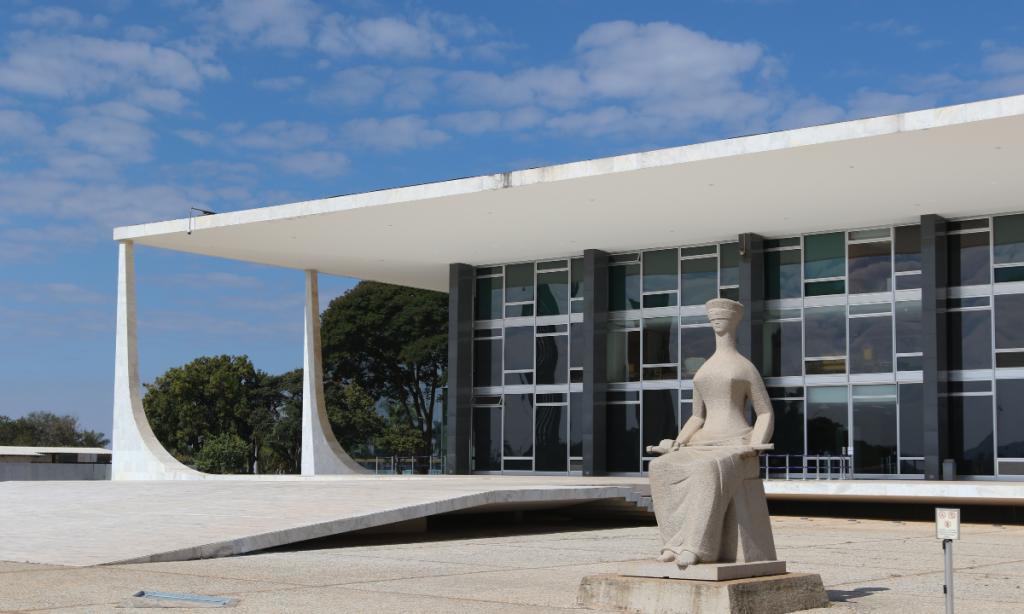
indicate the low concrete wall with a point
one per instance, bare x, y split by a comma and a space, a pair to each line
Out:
53, 471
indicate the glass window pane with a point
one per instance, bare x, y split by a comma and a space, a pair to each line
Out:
552, 360
788, 436
730, 266
871, 345
909, 363
870, 267
488, 270
659, 416
733, 294
874, 436
825, 288
652, 301
908, 327
486, 439
909, 282
552, 433
518, 425
697, 344
661, 270
827, 420
774, 243
698, 281
698, 251
575, 424
1009, 321
519, 283
576, 345
911, 419
624, 287
968, 259
552, 264
782, 274
782, 349
519, 379
488, 299
623, 438
634, 257
825, 331
869, 308
519, 311
576, 277
1010, 417
967, 224
487, 362
518, 348
553, 293
660, 341
825, 255
1008, 236
970, 429
970, 339
908, 248
624, 356
874, 233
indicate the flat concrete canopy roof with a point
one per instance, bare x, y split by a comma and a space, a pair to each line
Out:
954, 161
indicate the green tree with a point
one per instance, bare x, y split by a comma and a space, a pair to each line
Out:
41, 428
393, 342
353, 416
224, 453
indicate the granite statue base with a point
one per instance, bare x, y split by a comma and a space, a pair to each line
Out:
764, 595
711, 572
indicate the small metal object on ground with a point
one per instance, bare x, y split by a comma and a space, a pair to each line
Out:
152, 599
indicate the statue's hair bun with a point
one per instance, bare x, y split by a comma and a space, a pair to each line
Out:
724, 308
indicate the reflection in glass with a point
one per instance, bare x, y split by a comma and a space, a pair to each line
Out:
575, 424
874, 436
911, 419
661, 270
908, 327
576, 345
733, 294
1010, 417
486, 439
518, 348
788, 436
518, 433
519, 311
1008, 238
782, 274
576, 277
970, 428
909, 363
825, 331
659, 416
969, 335
909, 282
624, 356
519, 379
697, 344
552, 360
661, 373
487, 362
908, 248
487, 302
825, 288
552, 433
623, 438
553, 293
685, 411
519, 283
652, 301
827, 420
660, 341
825, 255
624, 287
1008, 274
730, 266
870, 267
698, 281
1009, 313
1010, 360
871, 344
968, 259
834, 366
782, 349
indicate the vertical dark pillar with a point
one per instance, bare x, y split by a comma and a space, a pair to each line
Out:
595, 361
460, 366
933, 325
749, 335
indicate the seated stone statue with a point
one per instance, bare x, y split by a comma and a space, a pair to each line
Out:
708, 497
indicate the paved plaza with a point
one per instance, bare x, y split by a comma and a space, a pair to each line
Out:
535, 567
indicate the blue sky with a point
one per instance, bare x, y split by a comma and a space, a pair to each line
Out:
118, 112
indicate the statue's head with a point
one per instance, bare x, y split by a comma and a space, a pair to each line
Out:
724, 314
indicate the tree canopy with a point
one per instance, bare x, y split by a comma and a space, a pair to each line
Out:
41, 428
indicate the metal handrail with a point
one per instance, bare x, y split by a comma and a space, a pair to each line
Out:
828, 462
397, 465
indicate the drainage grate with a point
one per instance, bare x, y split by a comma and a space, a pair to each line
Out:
208, 601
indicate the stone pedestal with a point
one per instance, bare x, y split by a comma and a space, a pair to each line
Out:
764, 595
713, 572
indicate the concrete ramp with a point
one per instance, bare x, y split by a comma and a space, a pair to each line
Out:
104, 523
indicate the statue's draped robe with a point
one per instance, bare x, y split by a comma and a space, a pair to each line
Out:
692, 490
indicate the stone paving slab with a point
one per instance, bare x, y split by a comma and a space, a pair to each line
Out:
99, 523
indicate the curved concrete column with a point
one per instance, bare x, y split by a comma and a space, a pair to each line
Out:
321, 452
138, 454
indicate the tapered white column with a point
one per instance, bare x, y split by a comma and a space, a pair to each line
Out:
138, 454
321, 452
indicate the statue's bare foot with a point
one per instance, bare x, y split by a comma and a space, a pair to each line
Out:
667, 557
685, 559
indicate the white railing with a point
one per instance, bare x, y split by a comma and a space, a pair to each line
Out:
806, 467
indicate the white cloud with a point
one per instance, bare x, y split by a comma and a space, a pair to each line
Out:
394, 134
869, 103
810, 111
342, 36
894, 27
280, 84
1003, 61
196, 136
550, 86
316, 164
276, 23
54, 16
164, 99
109, 136
478, 122
282, 135
69, 294
355, 86
20, 125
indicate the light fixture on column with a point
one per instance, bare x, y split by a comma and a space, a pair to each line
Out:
203, 211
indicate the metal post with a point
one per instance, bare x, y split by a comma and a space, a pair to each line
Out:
947, 547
